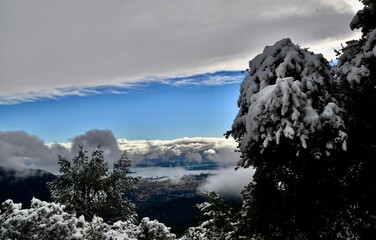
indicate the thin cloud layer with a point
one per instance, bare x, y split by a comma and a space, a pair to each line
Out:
48, 46
202, 79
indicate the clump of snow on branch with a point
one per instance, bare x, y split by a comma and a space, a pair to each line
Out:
152, 229
287, 94
355, 68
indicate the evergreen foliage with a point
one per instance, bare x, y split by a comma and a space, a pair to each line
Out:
46, 221
219, 220
356, 75
311, 137
87, 187
42, 221
150, 230
290, 129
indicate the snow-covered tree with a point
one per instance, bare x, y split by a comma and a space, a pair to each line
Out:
219, 220
356, 75
287, 96
86, 186
290, 129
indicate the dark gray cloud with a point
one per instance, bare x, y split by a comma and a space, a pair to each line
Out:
19, 149
94, 138
47, 46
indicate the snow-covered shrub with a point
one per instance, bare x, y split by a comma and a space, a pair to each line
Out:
120, 230
42, 221
200, 233
45, 221
152, 229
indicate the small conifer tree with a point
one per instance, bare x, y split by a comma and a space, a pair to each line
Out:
87, 186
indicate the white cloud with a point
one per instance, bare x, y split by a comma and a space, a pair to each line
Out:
54, 93
21, 150
192, 79
210, 151
190, 150
228, 182
50, 49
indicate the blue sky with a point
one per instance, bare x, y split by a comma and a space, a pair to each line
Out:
198, 105
145, 70
67, 67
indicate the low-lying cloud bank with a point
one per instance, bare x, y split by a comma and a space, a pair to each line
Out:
18, 149
229, 182
182, 152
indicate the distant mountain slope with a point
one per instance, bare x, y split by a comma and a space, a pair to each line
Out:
168, 200
22, 185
